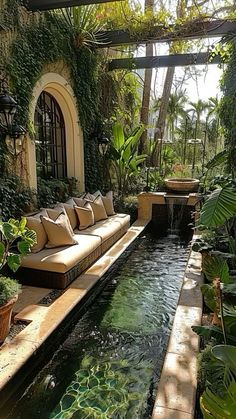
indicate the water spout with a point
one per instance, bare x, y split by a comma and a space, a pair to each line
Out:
175, 208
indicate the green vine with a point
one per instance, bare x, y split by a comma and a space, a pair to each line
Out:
46, 39
228, 105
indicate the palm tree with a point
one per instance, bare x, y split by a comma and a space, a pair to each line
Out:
175, 110
198, 109
213, 122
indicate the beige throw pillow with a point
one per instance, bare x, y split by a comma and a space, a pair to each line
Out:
90, 197
98, 209
54, 213
58, 231
85, 216
108, 203
34, 223
79, 202
69, 209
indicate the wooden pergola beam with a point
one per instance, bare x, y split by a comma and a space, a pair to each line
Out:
190, 30
175, 60
42, 5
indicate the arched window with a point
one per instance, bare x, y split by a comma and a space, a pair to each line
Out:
50, 138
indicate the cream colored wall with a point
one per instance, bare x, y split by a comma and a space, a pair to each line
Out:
60, 88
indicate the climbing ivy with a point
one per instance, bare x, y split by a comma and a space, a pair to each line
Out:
43, 39
228, 104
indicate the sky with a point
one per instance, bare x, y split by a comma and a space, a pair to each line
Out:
203, 85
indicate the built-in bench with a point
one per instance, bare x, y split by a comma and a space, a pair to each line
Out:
58, 267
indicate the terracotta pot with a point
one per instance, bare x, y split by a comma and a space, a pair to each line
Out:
182, 184
5, 318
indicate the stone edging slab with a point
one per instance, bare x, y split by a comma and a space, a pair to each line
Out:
178, 383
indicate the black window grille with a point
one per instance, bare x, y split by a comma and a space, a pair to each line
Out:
50, 138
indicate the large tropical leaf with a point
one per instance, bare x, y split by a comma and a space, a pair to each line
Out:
209, 297
226, 354
229, 288
114, 153
217, 160
212, 405
131, 143
215, 332
229, 318
118, 138
219, 207
216, 407
208, 332
216, 267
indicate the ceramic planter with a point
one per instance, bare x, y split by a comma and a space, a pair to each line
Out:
5, 318
182, 184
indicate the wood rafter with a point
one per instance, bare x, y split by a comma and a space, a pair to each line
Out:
174, 60
40, 5
191, 30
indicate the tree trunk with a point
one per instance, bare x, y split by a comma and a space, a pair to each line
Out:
144, 113
161, 120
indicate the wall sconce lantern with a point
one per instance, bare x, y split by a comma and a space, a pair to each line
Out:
12, 133
103, 145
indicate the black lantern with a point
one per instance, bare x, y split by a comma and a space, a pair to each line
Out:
14, 139
12, 133
8, 107
103, 145
17, 131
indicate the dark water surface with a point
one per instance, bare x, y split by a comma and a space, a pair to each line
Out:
109, 365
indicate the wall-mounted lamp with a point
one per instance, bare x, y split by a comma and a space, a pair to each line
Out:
12, 133
103, 145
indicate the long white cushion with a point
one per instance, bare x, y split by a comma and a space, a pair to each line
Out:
62, 259
107, 228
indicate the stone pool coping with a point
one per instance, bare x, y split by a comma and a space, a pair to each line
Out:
176, 395
43, 320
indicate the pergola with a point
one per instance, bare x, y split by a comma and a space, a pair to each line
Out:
160, 34
191, 30
40, 5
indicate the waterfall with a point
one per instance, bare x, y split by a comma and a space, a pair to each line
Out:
175, 209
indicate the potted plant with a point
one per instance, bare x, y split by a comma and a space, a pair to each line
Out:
16, 241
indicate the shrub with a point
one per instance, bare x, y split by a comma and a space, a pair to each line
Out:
15, 198
8, 289
127, 205
53, 190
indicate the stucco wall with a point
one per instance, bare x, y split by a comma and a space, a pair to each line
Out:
54, 78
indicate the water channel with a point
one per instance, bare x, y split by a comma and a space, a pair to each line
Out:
110, 364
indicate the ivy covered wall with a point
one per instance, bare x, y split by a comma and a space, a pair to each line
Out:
33, 44
228, 105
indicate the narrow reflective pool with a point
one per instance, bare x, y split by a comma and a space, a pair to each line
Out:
109, 365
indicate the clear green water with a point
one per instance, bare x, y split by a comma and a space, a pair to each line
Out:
109, 365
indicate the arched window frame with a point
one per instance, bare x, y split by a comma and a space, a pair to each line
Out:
50, 138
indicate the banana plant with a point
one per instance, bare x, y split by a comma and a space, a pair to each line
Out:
123, 155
